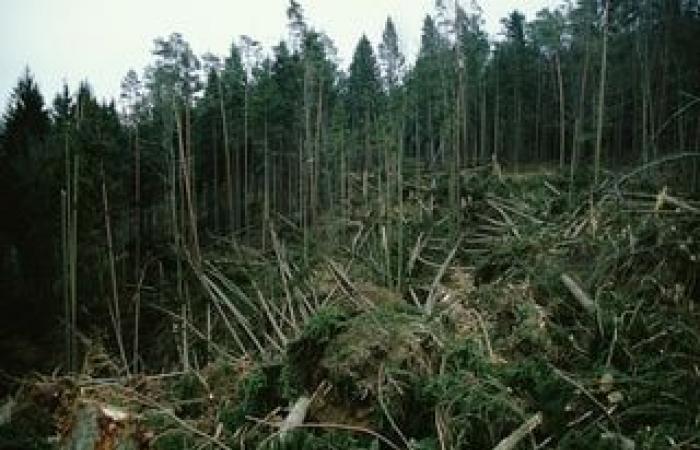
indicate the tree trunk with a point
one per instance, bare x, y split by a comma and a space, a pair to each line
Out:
227, 156
245, 156
115, 309
188, 191
601, 95
137, 250
562, 115
579, 120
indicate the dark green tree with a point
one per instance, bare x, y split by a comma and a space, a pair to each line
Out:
27, 204
364, 85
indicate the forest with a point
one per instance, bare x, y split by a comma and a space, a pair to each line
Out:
492, 244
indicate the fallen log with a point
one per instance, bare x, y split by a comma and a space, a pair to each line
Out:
295, 418
521, 432
579, 294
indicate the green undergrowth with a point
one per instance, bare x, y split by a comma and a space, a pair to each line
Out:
510, 341
29, 429
452, 331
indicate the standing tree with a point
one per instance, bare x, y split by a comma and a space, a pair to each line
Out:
28, 195
297, 25
233, 80
363, 100
132, 96
391, 59
601, 93
549, 32
251, 58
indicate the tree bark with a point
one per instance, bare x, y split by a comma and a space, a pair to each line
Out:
601, 94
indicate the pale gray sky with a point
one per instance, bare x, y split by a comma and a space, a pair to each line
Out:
99, 40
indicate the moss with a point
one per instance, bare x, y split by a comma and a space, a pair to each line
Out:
300, 372
393, 335
16, 437
173, 441
29, 429
189, 392
534, 381
323, 440
393, 339
256, 395
481, 408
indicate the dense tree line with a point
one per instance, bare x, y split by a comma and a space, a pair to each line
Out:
98, 201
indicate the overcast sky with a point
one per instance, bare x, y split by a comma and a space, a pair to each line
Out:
99, 40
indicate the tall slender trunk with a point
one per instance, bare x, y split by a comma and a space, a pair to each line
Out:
74, 264
538, 117
317, 150
215, 176
459, 143
302, 198
601, 94
366, 162
496, 117
115, 308
562, 114
463, 82
399, 193
266, 189
177, 241
137, 250
246, 193
344, 191
186, 171
578, 124
305, 174
516, 128
484, 133
386, 202
419, 161
68, 252
227, 157
431, 158
191, 162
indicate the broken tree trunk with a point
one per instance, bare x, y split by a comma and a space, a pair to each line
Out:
295, 418
521, 432
579, 294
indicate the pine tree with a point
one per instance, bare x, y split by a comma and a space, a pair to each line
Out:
364, 88
392, 60
363, 98
26, 186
